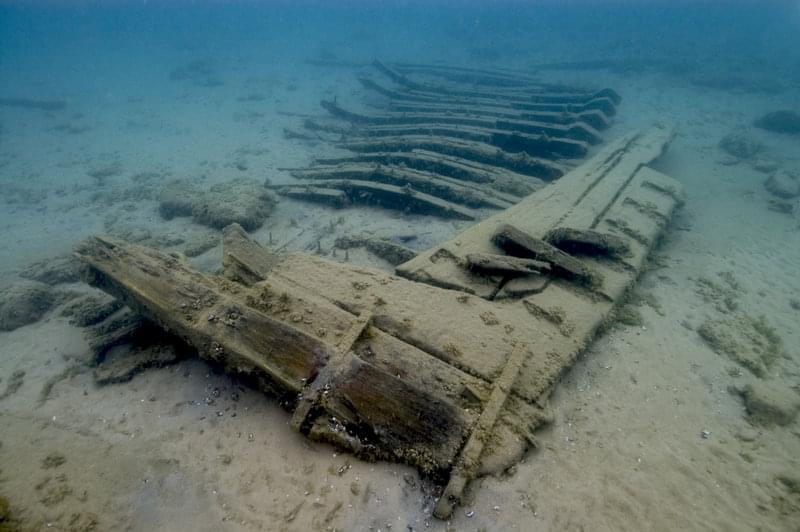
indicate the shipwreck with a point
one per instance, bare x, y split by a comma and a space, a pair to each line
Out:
448, 363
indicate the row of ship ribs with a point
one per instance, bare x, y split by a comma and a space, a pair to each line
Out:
450, 142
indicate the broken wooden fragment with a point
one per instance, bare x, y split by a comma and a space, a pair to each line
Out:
388, 196
243, 260
388, 250
588, 242
469, 460
429, 183
575, 131
318, 194
503, 180
519, 244
494, 264
472, 151
525, 105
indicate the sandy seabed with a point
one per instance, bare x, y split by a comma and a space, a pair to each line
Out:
650, 430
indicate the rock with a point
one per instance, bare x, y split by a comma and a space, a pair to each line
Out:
242, 201
740, 146
770, 403
176, 199
24, 303
53, 271
786, 122
783, 184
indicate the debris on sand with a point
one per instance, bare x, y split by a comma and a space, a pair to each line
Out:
786, 122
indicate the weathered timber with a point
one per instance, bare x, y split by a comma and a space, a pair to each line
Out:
526, 94
494, 264
575, 131
537, 145
470, 459
318, 194
503, 180
422, 181
479, 152
519, 244
590, 197
402, 198
388, 250
478, 76
594, 118
603, 105
588, 242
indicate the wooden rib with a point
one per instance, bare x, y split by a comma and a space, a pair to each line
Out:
469, 460
318, 194
429, 183
511, 141
388, 196
593, 118
487, 102
577, 131
535, 94
471, 75
447, 165
508, 76
473, 151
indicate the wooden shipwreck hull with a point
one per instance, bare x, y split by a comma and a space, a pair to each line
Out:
447, 365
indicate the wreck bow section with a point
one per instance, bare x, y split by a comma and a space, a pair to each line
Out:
447, 365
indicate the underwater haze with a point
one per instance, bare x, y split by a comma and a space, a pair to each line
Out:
162, 123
